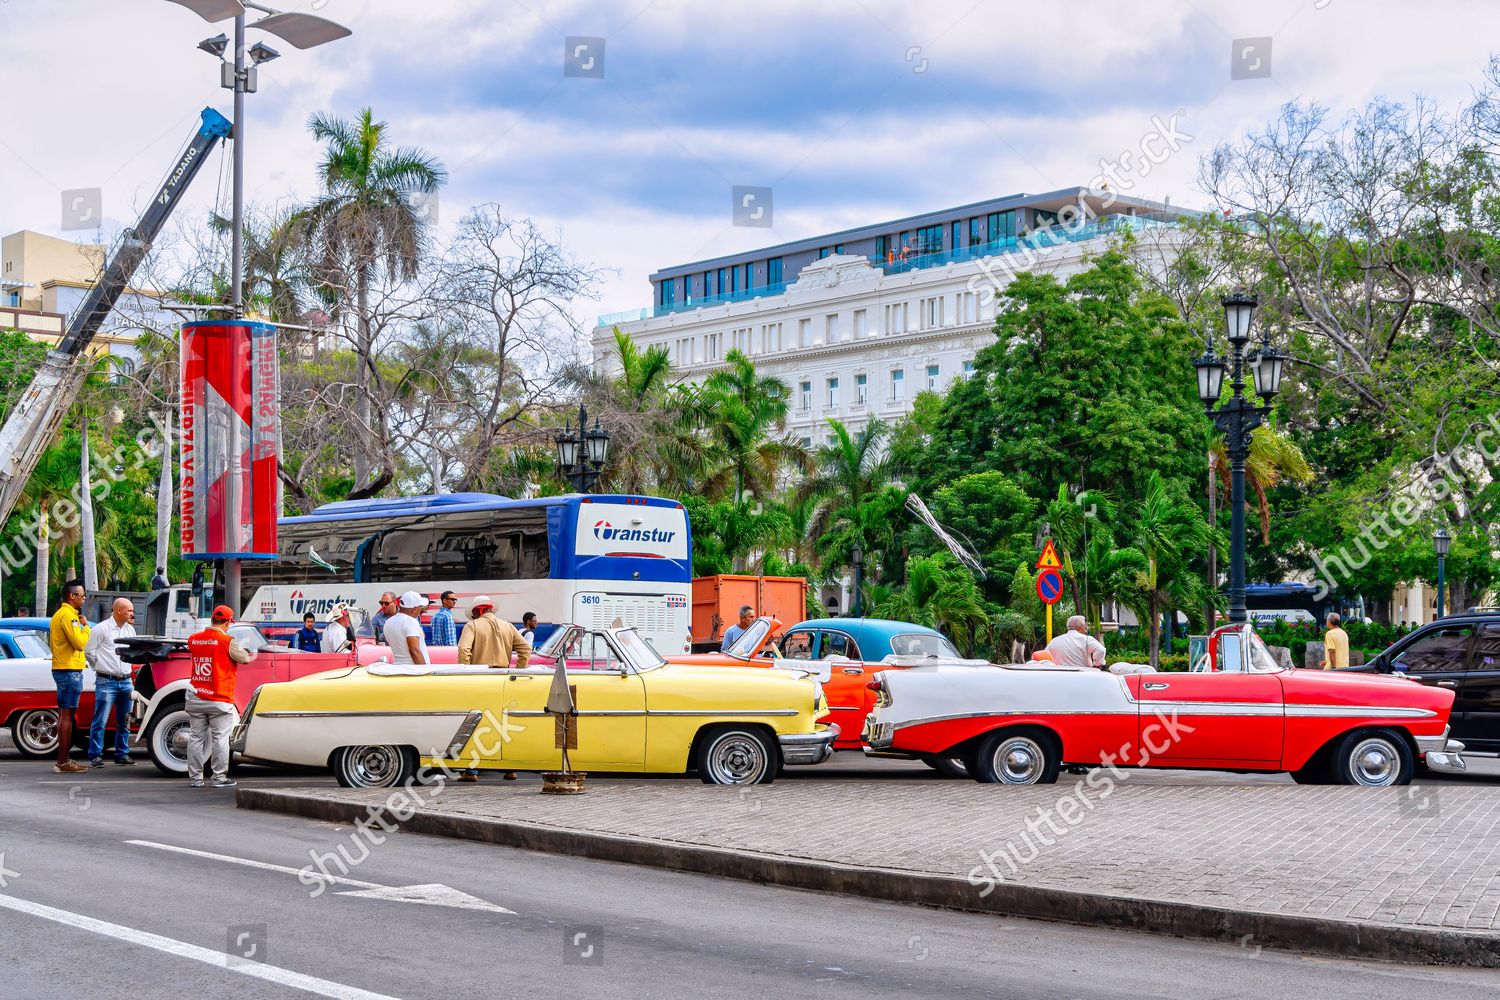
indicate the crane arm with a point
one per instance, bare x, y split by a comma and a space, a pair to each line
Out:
33, 424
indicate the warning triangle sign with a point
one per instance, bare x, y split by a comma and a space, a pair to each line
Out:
1048, 559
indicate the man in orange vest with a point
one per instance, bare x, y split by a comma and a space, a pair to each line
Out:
210, 699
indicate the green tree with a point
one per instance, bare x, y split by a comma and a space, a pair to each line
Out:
1166, 530
940, 594
745, 416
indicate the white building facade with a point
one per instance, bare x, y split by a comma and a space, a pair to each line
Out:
869, 318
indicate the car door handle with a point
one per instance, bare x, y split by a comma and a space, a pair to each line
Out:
1155, 686
1447, 684
520, 677
854, 670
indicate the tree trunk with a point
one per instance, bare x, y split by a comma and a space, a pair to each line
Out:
165, 497
365, 386
1155, 631
88, 549
43, 557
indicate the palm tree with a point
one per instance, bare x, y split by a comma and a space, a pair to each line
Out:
1273, 457
1109, 574
1068, 523
367, 217
848, 485
51, 483
939, 594
743, 410
651, 418
1167, 525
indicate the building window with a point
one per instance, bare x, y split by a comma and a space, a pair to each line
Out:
932, 376
749, 276
958, 236
898, 384
930, 239
861, 389
668, 290
831, 328
883, 248
806, 389
976, 231
833, 394
839, 248
824, 252
773, 271
804, 333
968, 368
806, 443
1002, 226
861, 324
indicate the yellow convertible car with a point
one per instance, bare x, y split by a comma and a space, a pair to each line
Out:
382, 725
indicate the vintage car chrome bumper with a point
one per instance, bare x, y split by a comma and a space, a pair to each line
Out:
809, 748
1442, 754
878, 735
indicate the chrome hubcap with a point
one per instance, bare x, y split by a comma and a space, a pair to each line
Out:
39, 731
172, 737
1018, 761
373, 766
736, 759
1375, 762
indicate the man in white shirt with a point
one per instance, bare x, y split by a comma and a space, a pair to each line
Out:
112, 683
403, 631
1075, 647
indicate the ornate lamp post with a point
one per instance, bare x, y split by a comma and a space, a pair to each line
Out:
1440, 542
1237, 417
581, 456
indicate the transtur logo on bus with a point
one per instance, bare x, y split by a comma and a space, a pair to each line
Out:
606, 532
298, 605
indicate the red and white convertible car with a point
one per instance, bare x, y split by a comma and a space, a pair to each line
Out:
1237, 710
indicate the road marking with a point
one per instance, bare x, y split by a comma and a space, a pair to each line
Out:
266, 865
430, 894
171, 946
5, 873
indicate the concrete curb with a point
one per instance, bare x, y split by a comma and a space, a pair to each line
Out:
1252, 930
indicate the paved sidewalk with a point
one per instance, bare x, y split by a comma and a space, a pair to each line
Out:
1411, 873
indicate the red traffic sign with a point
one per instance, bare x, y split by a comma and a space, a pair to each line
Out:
1048, 558
1049, 586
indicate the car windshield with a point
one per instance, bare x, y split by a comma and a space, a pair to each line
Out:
924, 644
560, 643
1261, 659
32, 645
744, 647
638, 651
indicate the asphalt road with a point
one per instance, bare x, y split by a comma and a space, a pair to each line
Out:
94, 902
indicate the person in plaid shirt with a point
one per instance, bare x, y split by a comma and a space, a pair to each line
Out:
444, 632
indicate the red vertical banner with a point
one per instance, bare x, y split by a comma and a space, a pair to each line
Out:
229, 439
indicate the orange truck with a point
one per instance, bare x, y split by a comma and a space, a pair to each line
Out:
717, 601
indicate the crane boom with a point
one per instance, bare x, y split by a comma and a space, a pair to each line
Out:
32, 425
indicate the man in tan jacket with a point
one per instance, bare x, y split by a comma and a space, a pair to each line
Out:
489, 641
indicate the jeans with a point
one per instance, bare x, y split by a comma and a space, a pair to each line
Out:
69, 685
111, 692
208, 740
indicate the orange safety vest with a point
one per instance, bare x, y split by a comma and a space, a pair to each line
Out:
213, 670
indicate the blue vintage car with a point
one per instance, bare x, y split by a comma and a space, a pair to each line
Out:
872, 640
26, 624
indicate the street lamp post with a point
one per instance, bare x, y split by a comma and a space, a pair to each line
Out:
1237, 417
581, 456
1440, 542
242, 76
857, 558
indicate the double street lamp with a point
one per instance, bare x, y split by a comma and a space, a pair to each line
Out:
1237, 417
581, 456
1440, 542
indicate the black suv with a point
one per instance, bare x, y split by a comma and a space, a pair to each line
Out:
1462, 653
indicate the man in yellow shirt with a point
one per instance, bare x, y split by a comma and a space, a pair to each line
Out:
1335, 645
69, 635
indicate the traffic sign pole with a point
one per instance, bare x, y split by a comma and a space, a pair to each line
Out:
1049, 624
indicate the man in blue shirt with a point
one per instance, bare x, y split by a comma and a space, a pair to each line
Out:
733, 632
444, 631
307, 638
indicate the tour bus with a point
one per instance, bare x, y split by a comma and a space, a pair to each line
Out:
574, 558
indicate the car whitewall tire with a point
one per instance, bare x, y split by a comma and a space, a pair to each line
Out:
166, 739
1017, 758
35, 732
736, 757
1373, 759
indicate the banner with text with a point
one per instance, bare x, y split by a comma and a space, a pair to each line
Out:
229, 441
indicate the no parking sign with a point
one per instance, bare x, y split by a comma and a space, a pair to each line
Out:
1049, 586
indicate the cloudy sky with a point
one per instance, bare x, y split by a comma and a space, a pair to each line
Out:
850, 110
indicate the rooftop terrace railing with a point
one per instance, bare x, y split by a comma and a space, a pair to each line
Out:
1039, 240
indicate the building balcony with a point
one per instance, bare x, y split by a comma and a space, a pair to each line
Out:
743, 295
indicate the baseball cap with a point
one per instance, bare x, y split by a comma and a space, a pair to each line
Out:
224, 613
412, 599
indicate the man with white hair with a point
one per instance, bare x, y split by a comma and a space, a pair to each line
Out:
1075, 647
112, 684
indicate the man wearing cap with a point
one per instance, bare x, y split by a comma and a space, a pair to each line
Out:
403, 631
210, 700
489, 641
339, 635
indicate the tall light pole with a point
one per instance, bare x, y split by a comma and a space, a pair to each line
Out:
581, 456
1440, 542
1237, 417
241, 76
